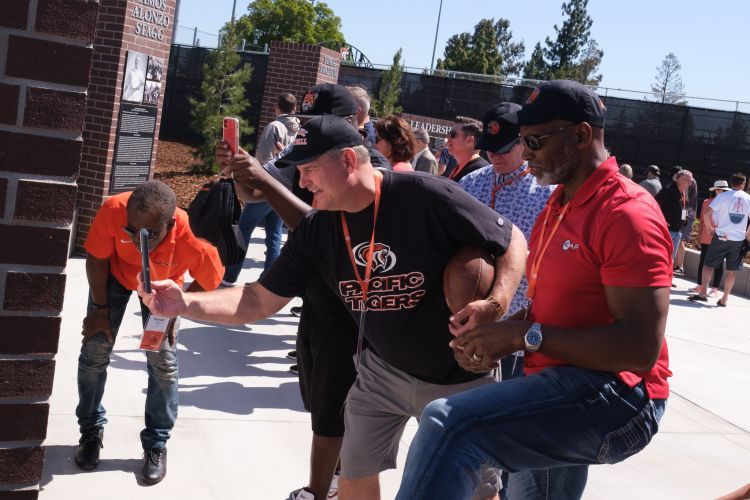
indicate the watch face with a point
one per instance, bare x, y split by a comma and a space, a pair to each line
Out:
533, 337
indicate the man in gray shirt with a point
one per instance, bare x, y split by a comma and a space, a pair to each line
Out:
652, 184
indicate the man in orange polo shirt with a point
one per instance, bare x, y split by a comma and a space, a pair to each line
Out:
596, 367
113, 262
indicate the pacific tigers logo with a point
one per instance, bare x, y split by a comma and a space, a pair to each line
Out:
383, 260
309, 101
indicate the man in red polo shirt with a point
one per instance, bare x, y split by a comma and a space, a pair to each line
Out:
596, 367
113, 262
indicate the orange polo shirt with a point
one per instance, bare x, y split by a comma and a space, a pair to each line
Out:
178, 252
613, 234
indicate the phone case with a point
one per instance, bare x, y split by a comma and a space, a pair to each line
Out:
232, 134
145, 267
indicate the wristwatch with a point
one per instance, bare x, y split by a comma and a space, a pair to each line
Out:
533, 337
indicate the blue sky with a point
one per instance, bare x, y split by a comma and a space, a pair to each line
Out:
711, 39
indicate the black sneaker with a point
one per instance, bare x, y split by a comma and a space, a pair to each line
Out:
154, 465
294, 369
87, 455
292, 355
296, 311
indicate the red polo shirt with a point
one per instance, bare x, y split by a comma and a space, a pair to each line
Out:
613, 234
178, 252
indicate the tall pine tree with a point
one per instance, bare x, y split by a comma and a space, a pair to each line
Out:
223, 94
667, 87
573, 54
390, 89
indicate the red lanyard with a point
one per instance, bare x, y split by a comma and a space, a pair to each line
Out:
684, 202
364, 284
541, 248
497, 187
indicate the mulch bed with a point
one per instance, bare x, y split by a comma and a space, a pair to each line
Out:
174, 163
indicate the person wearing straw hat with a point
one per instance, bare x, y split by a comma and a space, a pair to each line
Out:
726, 219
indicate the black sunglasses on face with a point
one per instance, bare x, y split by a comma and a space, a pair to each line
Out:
132, 232
534, 142
453, 134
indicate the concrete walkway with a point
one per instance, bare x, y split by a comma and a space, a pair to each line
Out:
242, 432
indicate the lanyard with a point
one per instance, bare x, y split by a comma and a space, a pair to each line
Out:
684, 201
497, 187
542, 248
363, 283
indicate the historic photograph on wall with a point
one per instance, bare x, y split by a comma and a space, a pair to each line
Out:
134, 82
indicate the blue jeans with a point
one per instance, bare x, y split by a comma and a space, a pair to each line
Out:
544, 428
161, 398
251, 216
676, 237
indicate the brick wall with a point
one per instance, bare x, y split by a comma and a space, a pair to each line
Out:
293, 68
117, 32
45, 59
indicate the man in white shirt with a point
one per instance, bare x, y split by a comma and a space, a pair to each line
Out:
726, 219
424, 160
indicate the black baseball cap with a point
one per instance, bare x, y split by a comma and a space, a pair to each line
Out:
560, 100
319, 135
499, 135
328, 99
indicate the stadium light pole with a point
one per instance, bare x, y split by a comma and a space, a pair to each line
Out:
234, 6
437, 28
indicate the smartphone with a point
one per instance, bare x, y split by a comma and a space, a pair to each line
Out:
232, 134
145, 269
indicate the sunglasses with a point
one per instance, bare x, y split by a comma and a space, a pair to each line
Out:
132, 232
453, 134
535, 142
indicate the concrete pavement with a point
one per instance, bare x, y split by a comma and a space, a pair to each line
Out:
242, 432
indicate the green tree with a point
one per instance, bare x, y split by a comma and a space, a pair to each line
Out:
289, 20
489, 51
390, 89
667, 87
585, 69
573, 54
223, 94
536, 68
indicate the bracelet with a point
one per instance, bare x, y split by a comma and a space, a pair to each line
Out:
98, 306
498, 307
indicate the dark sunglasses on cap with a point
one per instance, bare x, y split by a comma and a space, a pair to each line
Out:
535, 142
132, 232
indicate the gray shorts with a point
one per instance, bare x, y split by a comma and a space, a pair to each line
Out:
719, 250
378, 406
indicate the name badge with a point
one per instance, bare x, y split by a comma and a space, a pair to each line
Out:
684, 214
154, 333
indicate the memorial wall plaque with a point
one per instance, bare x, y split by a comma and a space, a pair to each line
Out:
136, 124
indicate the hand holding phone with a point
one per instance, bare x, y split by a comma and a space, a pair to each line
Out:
145, 268
232, 134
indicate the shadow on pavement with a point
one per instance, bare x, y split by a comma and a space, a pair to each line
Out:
59, 462
235, 398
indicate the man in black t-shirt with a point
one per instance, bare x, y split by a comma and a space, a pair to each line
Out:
327, 334
381, 241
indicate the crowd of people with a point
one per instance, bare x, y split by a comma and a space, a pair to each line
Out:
562, 365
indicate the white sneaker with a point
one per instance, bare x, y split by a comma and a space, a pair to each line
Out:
301, 494
333, 491
227, 284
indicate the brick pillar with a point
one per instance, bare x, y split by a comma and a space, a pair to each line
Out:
293, 68
45, 59
143, 26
